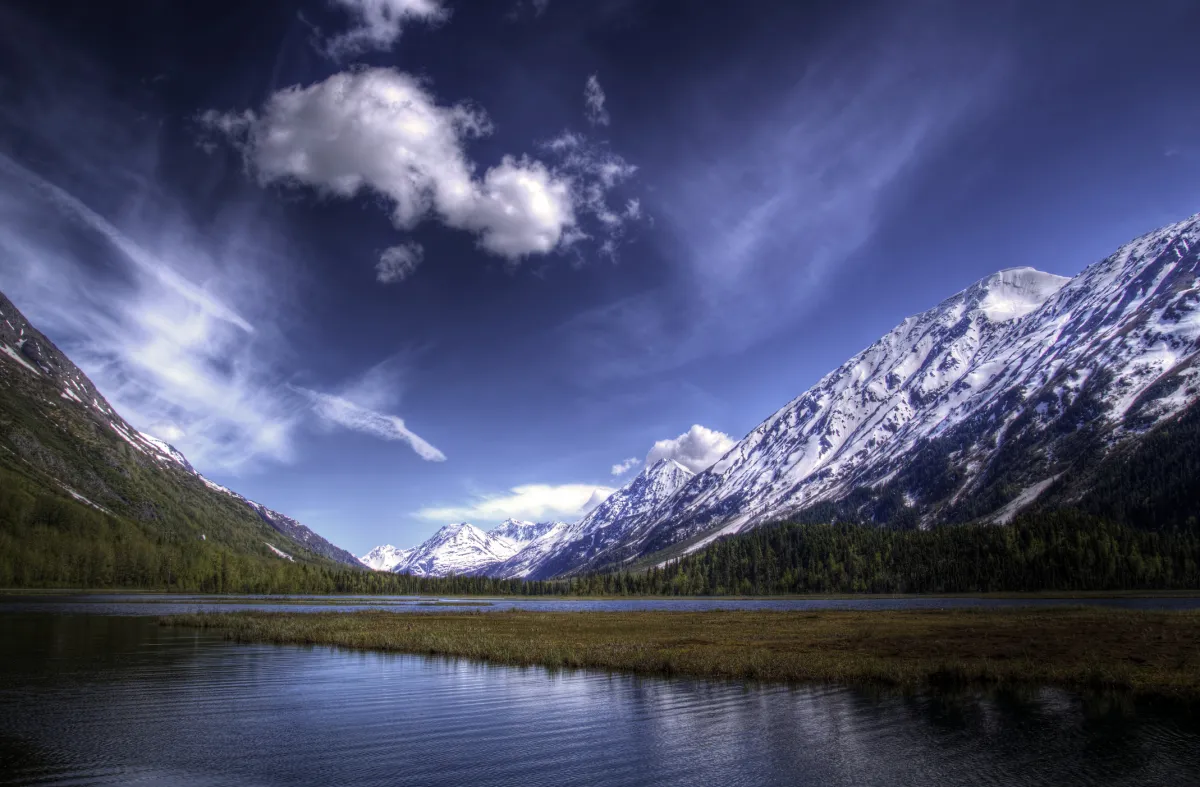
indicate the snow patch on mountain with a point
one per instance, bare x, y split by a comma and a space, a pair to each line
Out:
279, 552
1024, 498
11, 353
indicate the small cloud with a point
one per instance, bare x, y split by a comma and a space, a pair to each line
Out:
621, 468
536, 502
377, 24
398, 262
533, 7
594, 98
594, 171
697, 449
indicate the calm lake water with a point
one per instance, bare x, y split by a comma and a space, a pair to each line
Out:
109, 699
169, 603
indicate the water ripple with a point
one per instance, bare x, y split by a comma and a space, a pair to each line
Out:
111, 700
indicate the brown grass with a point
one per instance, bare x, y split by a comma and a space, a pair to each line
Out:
1156, 653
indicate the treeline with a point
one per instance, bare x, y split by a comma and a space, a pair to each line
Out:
48, 541
1060, 551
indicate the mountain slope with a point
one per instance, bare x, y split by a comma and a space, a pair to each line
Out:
59, 434
571, 547
966, 411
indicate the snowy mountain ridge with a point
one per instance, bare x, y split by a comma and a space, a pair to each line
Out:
1020, 354
460, 548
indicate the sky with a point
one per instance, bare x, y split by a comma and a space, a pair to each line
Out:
383, 265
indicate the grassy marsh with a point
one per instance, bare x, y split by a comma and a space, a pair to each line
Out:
1150, 653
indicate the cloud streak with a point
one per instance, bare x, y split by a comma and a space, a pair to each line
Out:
347, 414
770, 196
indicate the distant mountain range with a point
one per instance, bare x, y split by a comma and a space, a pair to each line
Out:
1009, 392
58, 431
461, 549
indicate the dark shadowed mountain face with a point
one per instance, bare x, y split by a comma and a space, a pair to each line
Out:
58, 431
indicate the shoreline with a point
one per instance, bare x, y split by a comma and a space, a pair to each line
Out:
1145, 653
1033, 595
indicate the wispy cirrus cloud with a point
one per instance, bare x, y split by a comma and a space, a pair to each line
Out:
182, 328
345, 413
767, 198
593, 100
174, 357
528, 501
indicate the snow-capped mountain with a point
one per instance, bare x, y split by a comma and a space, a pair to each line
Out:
26, 351
520, 532
464, 549
570, 547
963, 409
385, 557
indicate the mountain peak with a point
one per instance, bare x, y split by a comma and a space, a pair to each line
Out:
1013, 292
458, 528
385, 557
663, 466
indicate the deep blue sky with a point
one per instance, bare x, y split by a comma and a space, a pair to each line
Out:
807, 174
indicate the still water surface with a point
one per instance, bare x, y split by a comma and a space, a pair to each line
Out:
171, 603
107, 699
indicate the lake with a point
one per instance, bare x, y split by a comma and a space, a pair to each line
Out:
116, 699
172, 603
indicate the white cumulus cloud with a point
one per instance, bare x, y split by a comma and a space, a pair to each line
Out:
529, 501
380, 131
697, 449
377, 24
398, 262
621, 468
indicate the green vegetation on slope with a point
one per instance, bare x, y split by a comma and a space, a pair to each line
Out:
1146, 652
48, 540
1058, 551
